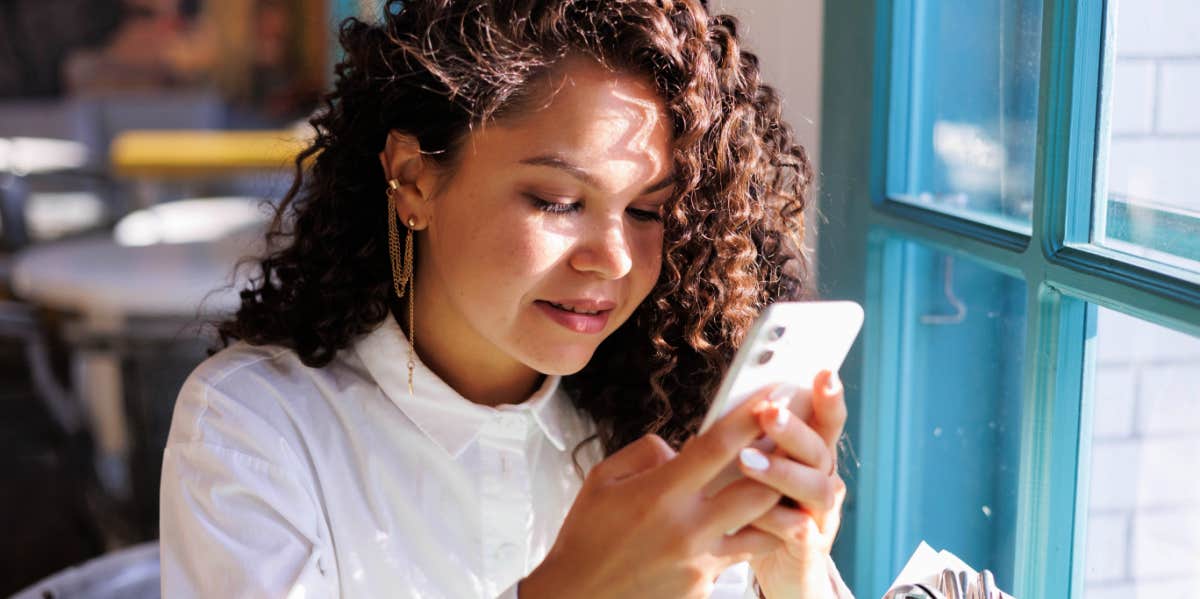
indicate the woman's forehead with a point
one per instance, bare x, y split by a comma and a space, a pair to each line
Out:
592, 117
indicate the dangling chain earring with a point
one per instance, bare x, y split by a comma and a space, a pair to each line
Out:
402, 274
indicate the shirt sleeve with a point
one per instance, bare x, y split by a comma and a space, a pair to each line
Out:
234, 523
736, 582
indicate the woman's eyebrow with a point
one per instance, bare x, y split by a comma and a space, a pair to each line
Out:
586, 177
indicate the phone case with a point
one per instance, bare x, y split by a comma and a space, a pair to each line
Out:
789, 343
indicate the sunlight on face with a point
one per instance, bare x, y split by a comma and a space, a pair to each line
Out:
547, 235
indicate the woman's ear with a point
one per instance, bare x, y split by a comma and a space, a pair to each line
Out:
403, 163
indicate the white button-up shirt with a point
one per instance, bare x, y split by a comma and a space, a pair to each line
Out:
281, 480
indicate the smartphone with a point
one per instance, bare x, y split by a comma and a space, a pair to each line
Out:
789, 344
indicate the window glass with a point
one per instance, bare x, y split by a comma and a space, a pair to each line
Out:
1142, 525
1149, 185
961, 354
964, 111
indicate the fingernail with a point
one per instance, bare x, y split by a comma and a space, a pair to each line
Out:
833, 385
782, 413
782, 393
761, 407
754, 459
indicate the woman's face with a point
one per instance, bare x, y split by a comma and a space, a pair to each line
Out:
547, 234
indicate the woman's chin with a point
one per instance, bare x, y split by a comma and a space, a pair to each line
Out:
564, 362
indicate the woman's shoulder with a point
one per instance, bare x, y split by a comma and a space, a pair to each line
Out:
238, 356
243, 369
252, 399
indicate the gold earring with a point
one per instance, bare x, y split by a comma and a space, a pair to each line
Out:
402, 272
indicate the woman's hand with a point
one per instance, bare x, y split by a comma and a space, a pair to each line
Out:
803, 468
642, 526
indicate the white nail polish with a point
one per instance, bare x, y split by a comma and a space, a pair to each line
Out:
834, 385
754, 459
781, 415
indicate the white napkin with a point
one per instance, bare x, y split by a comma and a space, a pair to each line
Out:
926, 565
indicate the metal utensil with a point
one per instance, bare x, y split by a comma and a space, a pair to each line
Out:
987, 584
948, 584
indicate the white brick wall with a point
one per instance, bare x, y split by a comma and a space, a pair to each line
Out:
1170, 399
1113, 463
1143, 521
1125, 340
1166, 475
1166, 544
1157, 27
1107, 549
1161, 170
1155, 112
1115, 390
1179, 96
1174, 589
1133, 97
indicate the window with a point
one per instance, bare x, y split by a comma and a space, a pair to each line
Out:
1010, 191
954, 317
1148, 187
964, 107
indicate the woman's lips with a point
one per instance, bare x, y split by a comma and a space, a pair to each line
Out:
579, 323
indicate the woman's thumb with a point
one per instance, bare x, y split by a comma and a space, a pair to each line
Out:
646, 453
829, 409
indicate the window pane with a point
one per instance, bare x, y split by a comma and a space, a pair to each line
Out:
960, 356
964, 109
1143, 519
1151, 199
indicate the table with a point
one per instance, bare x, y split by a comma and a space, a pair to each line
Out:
114, 284
107, 287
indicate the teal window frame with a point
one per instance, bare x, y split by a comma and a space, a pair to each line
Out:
865, 43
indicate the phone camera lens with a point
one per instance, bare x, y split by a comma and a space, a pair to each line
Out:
765, 357
776, 333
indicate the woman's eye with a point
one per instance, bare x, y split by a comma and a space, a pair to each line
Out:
554, 207
567, 207
645, 215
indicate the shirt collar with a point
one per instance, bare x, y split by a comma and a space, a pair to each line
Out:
449, 419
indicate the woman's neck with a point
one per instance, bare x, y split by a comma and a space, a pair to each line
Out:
482, 376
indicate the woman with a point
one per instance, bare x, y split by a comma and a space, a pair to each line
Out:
574, 209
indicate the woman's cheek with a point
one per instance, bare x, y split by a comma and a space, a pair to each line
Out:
540, 248
648, 257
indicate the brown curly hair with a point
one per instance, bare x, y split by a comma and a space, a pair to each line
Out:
435, 69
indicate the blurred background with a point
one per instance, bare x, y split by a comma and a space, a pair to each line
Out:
141, 144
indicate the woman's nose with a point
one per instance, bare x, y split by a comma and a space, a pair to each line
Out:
604, 251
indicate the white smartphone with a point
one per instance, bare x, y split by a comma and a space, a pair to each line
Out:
789, 343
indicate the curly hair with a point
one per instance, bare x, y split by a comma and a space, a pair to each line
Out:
436, 69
